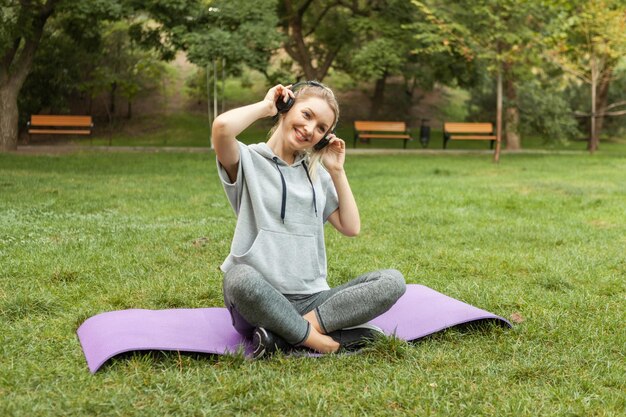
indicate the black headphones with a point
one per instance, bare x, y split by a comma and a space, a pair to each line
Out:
284, 106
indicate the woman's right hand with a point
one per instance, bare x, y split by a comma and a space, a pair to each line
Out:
278, 92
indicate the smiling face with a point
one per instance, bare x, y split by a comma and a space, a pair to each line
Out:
307, 122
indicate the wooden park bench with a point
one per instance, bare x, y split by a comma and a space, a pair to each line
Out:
365, 130
59, 125
468, 131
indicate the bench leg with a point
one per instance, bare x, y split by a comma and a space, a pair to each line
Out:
491, 144
405, 141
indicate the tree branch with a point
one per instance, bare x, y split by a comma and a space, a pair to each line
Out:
618, 104
614, 113
330, 57
354, 7
7, 60
10, 53
578, 74
25, 58
320, 17
303, 8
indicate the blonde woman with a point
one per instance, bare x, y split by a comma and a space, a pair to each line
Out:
283, 191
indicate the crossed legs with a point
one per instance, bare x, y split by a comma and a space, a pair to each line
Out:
306, 319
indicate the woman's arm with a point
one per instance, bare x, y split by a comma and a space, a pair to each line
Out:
346, 218
227, 126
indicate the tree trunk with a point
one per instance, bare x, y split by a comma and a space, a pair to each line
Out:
512, 137
496, 154
8, 119
314, 65
16, 63
602, 94
592, 146
112, 98
379, 97
297, 48
513, 141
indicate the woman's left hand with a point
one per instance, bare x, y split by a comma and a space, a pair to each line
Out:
334, 154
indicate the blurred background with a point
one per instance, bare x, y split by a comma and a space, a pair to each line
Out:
156, 72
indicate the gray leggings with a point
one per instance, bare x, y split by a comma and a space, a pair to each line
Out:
253, 302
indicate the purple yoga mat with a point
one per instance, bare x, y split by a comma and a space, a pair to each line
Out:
420, 312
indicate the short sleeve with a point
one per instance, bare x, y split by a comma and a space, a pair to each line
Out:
332, 201
233, 189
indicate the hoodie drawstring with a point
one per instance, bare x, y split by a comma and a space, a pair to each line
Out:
283, 203
306, 169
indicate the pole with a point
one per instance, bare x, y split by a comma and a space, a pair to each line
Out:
593, 141
208, 102
215, 87
223, 82
496, 155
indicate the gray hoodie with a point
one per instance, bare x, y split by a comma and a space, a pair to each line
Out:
280, 219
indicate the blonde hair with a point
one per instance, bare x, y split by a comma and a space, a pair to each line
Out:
319, 90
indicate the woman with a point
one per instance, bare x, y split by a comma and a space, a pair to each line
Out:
275, 275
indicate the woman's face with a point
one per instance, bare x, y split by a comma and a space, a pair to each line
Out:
307, 122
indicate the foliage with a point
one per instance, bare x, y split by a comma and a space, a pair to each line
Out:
587, 41
67, 67
501, 35
544, 109
617, 94
57, 71
123, 65
10, 23
242, 32
383, 45
24, 27
545, 112
239, 31
316, 33
476, 30
588, 36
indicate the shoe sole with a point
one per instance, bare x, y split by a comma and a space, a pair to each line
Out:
366, 326
259, 352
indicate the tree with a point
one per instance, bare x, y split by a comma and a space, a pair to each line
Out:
57, 73
383, 47
588, 42
122, 67
238, 31
21, 28
23, 23
315, 32
502, 33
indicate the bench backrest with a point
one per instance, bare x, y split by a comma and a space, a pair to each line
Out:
48, 120
380, 126
468, 127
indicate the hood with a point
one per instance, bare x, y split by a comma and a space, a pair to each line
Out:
265, 151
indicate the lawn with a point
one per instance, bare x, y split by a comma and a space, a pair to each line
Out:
541, 238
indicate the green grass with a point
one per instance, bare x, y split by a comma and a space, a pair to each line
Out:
540, 236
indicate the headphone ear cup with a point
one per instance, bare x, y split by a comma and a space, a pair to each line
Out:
322, 143
284, 106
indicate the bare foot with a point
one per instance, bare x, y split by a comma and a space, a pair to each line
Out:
312, 318
320, 342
